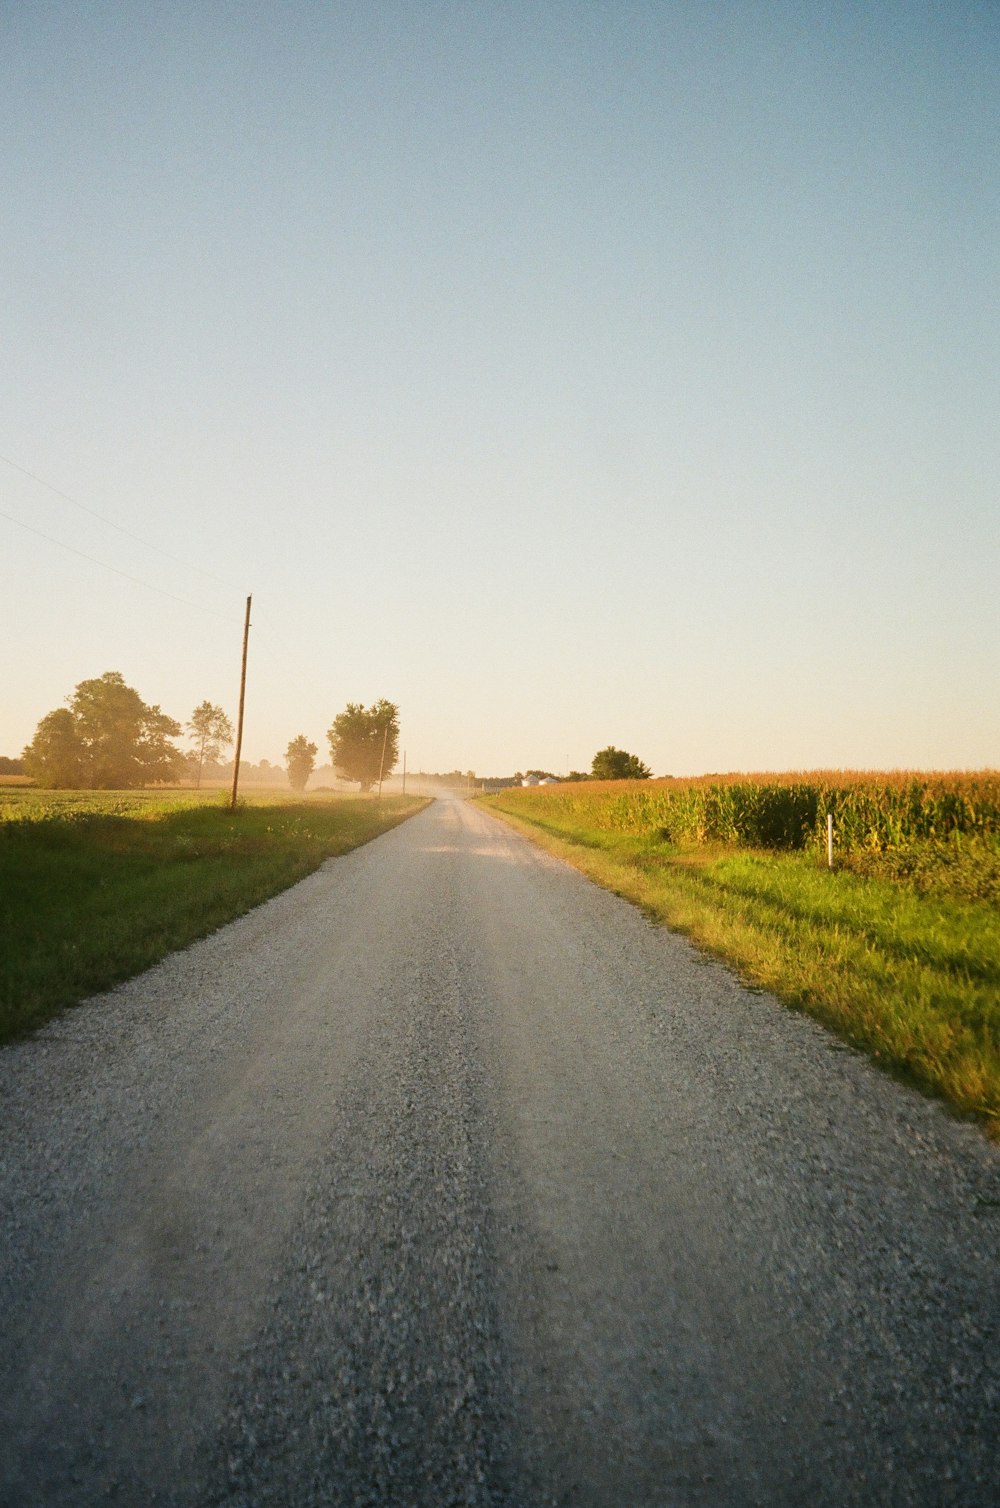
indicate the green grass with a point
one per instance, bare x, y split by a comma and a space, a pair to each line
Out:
897, 966
96, 886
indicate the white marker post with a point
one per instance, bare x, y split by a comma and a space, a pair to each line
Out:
829, 840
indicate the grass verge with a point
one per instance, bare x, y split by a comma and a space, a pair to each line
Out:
912, 978
95, 887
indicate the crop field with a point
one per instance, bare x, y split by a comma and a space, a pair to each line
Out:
872, 813
897, 948
24, 802
96, 886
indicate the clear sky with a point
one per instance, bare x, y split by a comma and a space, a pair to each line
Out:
569, 373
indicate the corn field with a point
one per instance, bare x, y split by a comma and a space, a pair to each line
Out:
874, 812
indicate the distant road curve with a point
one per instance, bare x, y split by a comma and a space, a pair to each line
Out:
446, 1178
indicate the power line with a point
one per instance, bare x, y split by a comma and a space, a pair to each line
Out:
146, 544
184, 601
269, 650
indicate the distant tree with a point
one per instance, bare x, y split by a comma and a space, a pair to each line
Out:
11, 766
211, 732
108, 738
615, 764
577, 775
357, 737
55, 755
300, 761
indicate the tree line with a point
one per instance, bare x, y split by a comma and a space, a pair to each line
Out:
607, 764
108, 738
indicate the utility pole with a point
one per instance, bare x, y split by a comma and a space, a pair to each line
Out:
381, 763
239, 720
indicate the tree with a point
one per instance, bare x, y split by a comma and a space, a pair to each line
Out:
300, 759
615, 764
55, 755
125, 742
107, 739
212, 732
358, 736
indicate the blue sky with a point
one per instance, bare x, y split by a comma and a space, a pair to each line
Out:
568, 373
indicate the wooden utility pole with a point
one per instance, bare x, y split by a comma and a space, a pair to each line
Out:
381, 763
239, 720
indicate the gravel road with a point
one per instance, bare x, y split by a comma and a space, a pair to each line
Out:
446, 1178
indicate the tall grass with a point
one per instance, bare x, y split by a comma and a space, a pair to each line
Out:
871, 812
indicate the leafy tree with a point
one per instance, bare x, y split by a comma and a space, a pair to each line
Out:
55, 755
357, 737
300, 759
107, 739
615, 764
125, 742
212, 732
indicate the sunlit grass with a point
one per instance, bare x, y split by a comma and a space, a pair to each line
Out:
95, 887
912, 978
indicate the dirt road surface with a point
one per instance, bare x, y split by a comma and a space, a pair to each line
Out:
446, 1178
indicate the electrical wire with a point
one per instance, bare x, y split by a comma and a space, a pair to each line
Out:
146, 544
185, 602
271, 651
